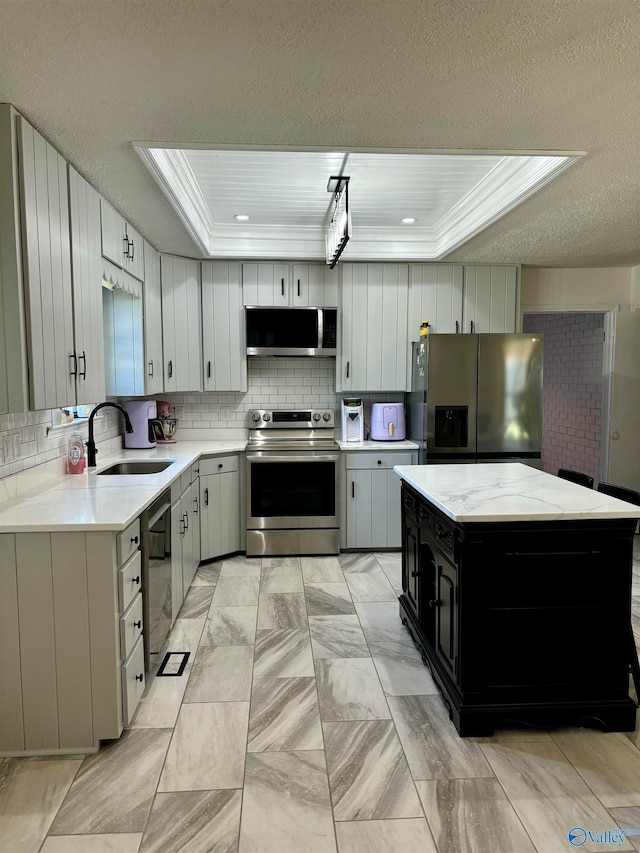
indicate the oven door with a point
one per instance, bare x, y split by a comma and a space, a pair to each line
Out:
292, 489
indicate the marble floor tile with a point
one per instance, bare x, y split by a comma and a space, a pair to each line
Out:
207, 575
194, 822
282, 654
513, 735
282, 610
230, 626
474, 815
282, 562
410, 835
120, 842
30, 795
368, 773
349, 689
358, 563
628, 818
608, 763
391, 565
284, 715
196, 602
337, 637
286, 807
547, 794
208, 748
370, 586
114, 788
221, 674
401, 669
321, 570
278, 576
238, 591
433, 747
328, 599
380, 620
241, 567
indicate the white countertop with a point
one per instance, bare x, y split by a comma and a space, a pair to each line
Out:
403, 444
509, 492
89, 501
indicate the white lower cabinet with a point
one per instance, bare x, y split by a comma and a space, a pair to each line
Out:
371, 497
185, 539
71, 647
220, 506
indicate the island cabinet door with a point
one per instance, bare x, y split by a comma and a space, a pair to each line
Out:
410, 562
447, 615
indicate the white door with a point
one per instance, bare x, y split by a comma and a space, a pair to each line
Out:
153, 382
623, 468
490, 297
266, 284
224, 348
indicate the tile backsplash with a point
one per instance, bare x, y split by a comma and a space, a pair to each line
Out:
279, 383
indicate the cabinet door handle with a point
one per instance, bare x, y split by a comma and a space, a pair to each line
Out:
140, 677
83, 373
347, 370
170, 369
138, 624
125, 248
208, 370
472, 326
73, 357
379, 461
353, 489
186, 521
183, 529
457, 327
134, 540
195, 505
298, 287
206, 497
434, 602
133, 249
415, 573
282, 287
135, 580
220, 464
151, 368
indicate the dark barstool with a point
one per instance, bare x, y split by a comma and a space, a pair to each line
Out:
632, 497
576, 477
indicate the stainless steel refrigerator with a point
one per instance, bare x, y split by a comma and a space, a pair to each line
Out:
476, 398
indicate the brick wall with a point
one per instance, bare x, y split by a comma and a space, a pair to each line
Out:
572, 396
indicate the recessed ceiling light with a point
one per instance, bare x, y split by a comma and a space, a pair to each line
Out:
241, 217
408, 220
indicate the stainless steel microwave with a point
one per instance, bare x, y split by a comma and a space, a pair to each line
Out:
291, 331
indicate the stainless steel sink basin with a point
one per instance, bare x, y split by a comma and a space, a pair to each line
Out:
141, 466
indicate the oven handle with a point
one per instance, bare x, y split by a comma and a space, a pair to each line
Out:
268, 456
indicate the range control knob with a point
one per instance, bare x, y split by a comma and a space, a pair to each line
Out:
255, 416
266, 416
326, 416
316, 416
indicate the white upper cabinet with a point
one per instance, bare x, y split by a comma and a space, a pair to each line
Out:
84, 204
181, 324
121, 243
288, 285
373, 355
435, 295
152, 307
490, 299
224, 348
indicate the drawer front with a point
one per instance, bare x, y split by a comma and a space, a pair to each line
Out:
127, 542
185, 481
131, 627
132, 681
195, 471
129, 581
377, 460
218, 465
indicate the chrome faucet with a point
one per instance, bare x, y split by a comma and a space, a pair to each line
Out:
91, 445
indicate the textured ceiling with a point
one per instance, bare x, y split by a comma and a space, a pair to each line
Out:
455, 74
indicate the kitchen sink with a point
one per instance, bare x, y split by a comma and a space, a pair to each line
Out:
141, 466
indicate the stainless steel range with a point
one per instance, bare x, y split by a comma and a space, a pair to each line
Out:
292, 483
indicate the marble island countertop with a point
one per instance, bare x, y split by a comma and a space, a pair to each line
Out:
89, 501
509, 492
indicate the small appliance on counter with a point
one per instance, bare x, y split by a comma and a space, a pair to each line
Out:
165, 425
352, 419
387, 422
141, 414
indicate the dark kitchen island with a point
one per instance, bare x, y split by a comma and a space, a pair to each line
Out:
517, 589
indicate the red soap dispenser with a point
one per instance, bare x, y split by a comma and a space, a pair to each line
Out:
76, 460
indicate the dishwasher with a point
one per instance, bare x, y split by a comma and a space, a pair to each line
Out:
156, 574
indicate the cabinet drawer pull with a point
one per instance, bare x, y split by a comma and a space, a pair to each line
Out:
220, 464
138, 624
140, 677
135, 540
206, 497
135, 580
379, 461
434, 602
73, 357
83, 373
